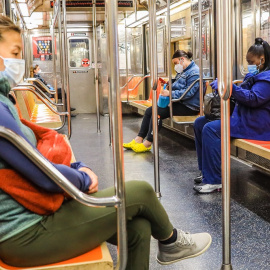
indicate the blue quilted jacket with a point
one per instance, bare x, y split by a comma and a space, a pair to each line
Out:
251, 115
183, 81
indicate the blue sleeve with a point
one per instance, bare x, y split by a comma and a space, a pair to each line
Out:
177, 92
258, 95
19, 162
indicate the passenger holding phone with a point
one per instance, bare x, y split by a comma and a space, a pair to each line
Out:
187, 73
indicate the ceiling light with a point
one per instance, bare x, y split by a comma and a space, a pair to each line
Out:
24, 9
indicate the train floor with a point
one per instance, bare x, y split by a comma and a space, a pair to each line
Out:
250, 204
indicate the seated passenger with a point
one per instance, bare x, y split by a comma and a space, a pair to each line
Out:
187, 73
250, 118
37, 70
29, 239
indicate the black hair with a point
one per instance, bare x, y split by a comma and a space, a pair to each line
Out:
260, 48
181, 53
35, 67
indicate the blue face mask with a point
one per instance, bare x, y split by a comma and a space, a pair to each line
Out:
253, 69
14, 70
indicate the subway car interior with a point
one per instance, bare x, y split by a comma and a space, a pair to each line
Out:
102, 65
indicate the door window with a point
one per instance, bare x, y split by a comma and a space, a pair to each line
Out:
79, 55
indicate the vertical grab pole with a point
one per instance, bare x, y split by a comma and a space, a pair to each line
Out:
154, 84
54, 62
95, 43
61, 57
126, 52
224, 64
112, 7
169, 65
200, 57
66, 65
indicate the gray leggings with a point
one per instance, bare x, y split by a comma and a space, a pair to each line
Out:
75, 229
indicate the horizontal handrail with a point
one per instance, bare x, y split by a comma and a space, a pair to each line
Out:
24, 88
130, 79
41, 162
237, 81
178, 99
142, 79
40, 92
41, 84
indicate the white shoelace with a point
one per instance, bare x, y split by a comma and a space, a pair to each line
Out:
184, 238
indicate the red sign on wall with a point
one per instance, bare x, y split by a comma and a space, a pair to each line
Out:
42, 48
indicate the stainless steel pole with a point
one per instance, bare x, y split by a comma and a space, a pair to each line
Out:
95, 43
200, 58
169, 64
54, 63
66, 65
225, 67
61, 57
126, 52
111, 7
154, 83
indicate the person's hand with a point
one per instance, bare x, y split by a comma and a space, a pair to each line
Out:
94, 185
165, 93
214, 84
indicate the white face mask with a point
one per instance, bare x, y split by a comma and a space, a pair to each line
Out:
14, 70
178, 68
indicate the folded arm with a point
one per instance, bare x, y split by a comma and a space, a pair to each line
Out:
177, 92
19, 162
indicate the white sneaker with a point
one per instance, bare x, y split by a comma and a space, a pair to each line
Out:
186, 246
207, 188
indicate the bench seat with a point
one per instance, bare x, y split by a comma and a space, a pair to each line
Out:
185, 119
260, 148
96, 259
35, 111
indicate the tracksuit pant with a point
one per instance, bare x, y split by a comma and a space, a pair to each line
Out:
75, 229
208, 147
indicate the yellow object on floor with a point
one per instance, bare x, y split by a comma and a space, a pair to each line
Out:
130, 144
140, 148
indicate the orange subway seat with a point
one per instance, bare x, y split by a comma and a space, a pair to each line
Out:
93, 255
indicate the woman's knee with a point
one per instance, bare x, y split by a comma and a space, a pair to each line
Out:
141, 189
211, 130
148, 112
200, 123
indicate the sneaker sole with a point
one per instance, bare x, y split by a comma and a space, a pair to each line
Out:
207, 192
188, 257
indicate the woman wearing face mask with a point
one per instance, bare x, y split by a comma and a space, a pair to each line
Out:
187, 72
37, 71
250, 118
30, 239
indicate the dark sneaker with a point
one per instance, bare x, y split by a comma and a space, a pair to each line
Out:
207, 188
186, 246
198, 179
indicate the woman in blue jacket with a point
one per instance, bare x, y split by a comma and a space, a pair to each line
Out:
250, 118
187, 73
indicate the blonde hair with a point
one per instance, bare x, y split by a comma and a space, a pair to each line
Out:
7, 25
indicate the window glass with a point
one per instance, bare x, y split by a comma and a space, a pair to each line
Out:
248, 30
79, 55
206, 42
265, 20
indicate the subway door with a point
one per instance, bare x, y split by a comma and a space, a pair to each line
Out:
81, 75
